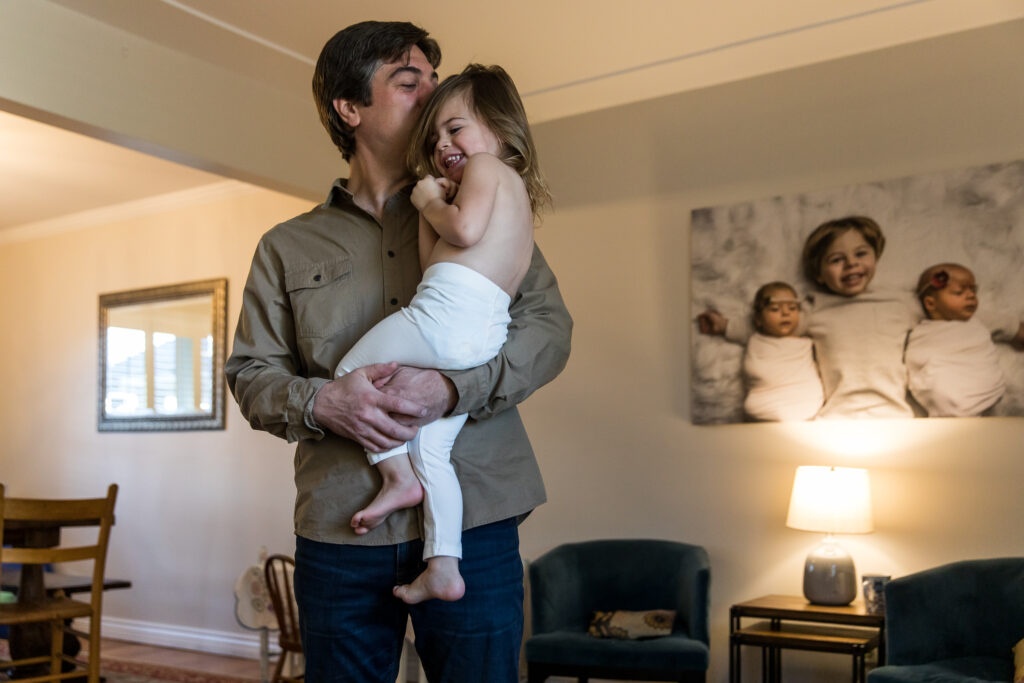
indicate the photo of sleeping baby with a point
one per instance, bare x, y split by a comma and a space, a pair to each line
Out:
893, 299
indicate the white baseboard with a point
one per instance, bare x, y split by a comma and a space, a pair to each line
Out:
183, 637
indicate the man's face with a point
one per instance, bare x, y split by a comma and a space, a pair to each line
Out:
399, 91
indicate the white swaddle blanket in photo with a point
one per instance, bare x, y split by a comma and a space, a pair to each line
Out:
953, 368
782, 379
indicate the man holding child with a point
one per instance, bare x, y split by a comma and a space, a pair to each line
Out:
317, 283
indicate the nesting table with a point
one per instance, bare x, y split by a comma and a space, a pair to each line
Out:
787, 622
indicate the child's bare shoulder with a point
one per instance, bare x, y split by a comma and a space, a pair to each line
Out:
484, 162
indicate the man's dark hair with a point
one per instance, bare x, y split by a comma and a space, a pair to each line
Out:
348, 62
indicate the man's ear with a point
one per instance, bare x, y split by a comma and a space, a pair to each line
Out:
348, 111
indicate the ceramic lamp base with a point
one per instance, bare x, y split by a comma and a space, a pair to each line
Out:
829, 575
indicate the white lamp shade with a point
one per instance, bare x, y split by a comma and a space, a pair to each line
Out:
835, 500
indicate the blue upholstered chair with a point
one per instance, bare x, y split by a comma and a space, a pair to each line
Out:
571, 582
957, 622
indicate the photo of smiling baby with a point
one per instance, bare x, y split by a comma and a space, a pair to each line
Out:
890, 337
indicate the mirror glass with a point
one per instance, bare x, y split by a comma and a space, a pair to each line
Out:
162, 358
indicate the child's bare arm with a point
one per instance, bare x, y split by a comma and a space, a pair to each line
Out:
463, 222
712, 322
427, 239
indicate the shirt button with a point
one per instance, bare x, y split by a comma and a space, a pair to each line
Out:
316, 278
394, 302
391, 253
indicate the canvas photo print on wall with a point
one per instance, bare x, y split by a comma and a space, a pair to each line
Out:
892, 299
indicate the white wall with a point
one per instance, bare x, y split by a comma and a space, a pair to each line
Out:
612, 434
194, 507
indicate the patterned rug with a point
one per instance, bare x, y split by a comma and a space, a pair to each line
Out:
137, 672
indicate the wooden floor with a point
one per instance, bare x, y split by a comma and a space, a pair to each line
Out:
181, 659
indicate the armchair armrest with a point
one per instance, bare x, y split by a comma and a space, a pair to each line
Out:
963, 609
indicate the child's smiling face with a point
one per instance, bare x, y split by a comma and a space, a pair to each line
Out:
958, 300
460, 135
848, 265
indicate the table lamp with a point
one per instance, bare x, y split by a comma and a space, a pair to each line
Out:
833, 500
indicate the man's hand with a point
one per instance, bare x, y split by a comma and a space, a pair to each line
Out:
353, 407
1018, 341
428, 388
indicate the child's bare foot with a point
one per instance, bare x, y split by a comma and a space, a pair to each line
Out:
441, 580
400, 489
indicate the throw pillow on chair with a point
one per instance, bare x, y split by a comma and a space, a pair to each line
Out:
626, 625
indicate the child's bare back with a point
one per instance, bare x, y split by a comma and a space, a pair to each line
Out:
487, 227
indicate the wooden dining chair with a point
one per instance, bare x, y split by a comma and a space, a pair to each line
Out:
278, 571
58, 610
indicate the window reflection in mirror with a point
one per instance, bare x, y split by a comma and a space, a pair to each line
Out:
162, 358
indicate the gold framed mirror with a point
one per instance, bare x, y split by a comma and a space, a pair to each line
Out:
161, 358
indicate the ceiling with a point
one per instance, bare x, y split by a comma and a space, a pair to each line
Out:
567, 57
47, 173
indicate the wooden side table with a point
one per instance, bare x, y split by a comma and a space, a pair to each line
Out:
792, 623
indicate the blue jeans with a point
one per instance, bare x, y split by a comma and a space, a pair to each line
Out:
353, 627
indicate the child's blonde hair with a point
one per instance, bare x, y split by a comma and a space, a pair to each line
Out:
493, 97
821, 239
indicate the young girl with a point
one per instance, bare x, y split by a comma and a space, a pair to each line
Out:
952, 364
858, 331
782, 377
477, 210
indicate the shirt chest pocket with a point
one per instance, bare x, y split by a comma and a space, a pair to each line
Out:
321, 297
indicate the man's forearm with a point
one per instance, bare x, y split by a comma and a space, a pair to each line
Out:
273, 400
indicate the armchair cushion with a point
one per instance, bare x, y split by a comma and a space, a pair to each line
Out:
675, 652
627, 625
959, 670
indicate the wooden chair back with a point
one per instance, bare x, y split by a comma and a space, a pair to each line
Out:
278, 571
42, 519
87, 512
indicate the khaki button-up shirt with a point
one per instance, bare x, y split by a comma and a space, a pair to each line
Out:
317, 283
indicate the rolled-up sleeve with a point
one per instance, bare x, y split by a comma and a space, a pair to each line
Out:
264, 369
536, 350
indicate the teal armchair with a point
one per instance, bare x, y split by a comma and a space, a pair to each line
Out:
572, 581
957, 622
